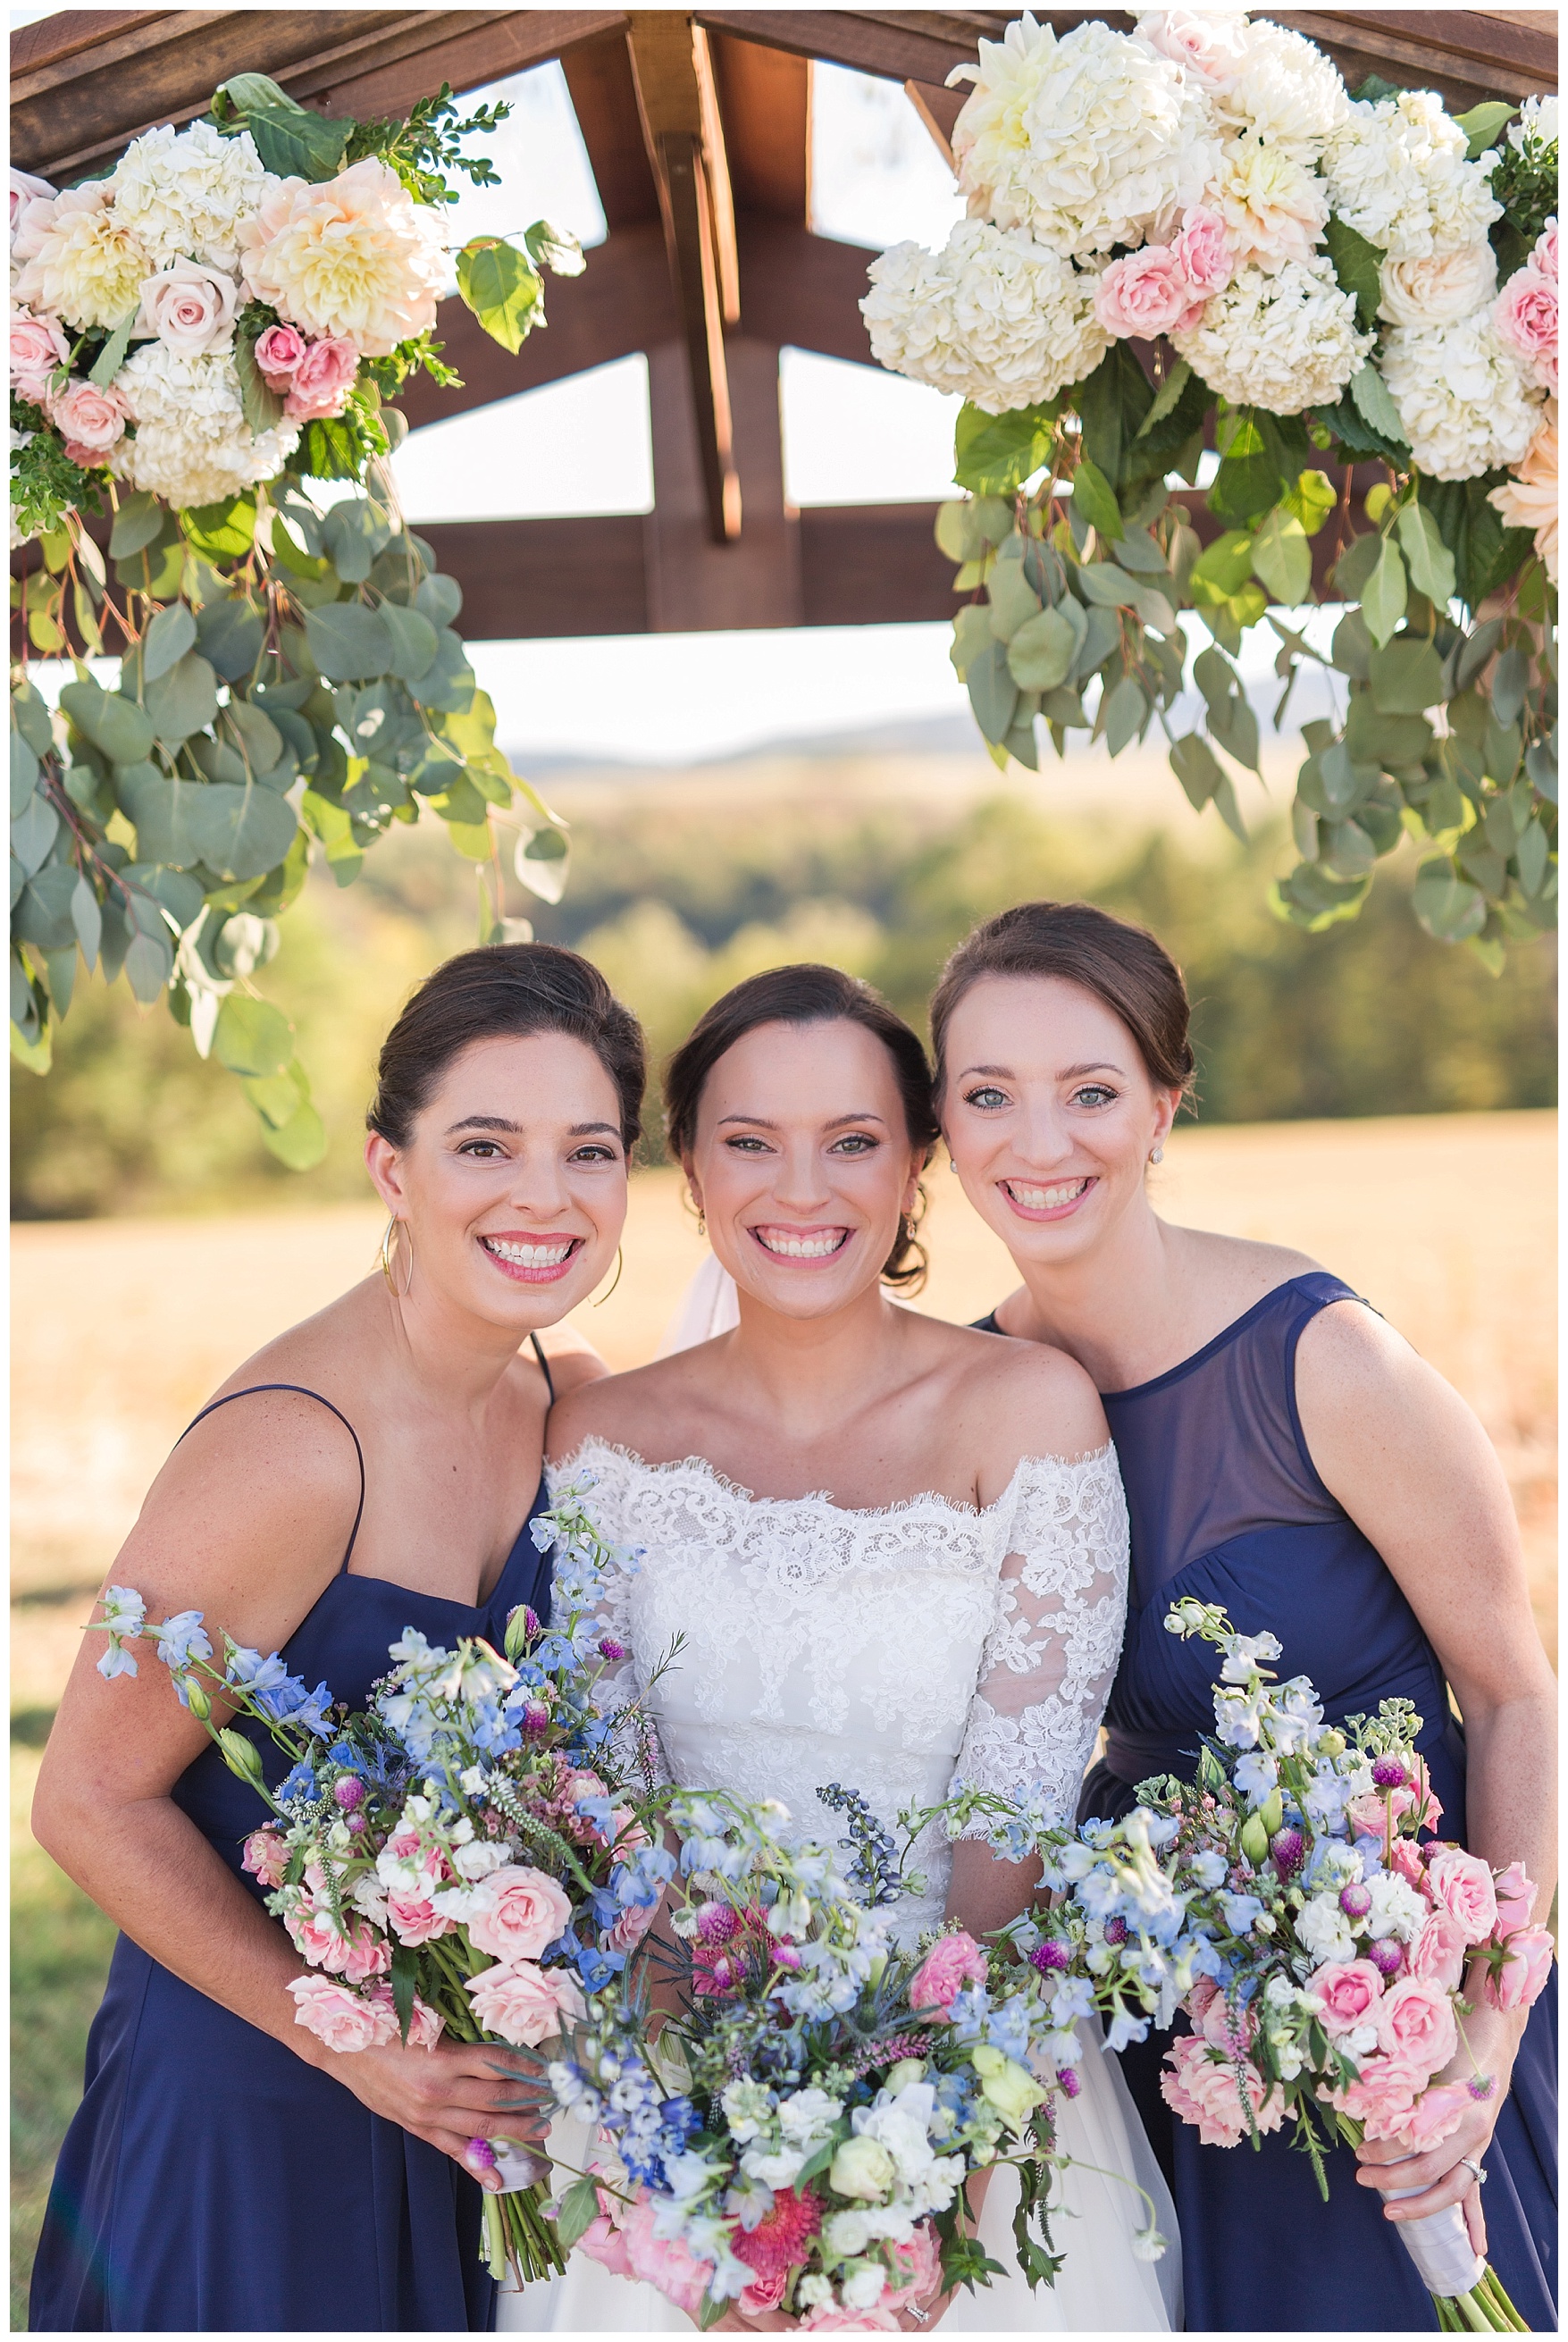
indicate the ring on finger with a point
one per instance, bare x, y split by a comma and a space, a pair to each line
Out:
1476, 2168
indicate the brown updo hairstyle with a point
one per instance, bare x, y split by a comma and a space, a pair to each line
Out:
1124, 966
809, 993
505, 992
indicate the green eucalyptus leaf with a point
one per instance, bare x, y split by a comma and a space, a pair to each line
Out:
353, 534
502, 288
1012, 598
30, 714
43, 915
33, 833
1281, 558
1509, 685
348, 642
118, 727
243, 833
112, 357
1126, 713
1384, 595
1042, 652
252, 1036
24, 771
229, 635
447, 684
300, 1143
164, 815
173, 632
1406, 677
262, 407
183, 701
540, 863
439, 600
87, 918
1197, 768
1427, 559
259, 736
993, 692
1447, 905
223, 531
971, 635
995, 453
176, 891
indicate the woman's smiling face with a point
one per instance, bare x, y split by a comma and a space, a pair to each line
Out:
1049, 1113
514, 1185
803, 1164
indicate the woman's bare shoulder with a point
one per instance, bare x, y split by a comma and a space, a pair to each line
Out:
638, 1409
1241, 1269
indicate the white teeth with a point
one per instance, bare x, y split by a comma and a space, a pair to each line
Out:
1045, 1199
800, 1247
528, 1255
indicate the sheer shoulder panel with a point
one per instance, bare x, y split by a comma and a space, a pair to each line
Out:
1052, 1651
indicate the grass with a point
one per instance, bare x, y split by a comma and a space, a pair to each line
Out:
1446, 1223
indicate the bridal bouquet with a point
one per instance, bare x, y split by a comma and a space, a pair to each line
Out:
465, 1856
1325, 1954
1191, 241
235, 298
798, 2135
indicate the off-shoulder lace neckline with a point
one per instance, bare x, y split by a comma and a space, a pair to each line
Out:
557, 1472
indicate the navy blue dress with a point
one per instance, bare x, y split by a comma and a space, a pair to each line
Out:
1226, 1506
211, 2181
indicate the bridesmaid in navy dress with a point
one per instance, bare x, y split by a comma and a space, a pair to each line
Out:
1285, 1453
367, 1472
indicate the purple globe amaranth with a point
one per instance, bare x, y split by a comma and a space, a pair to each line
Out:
1287, 1851
348, 1793
481, 2152
717, 1923
535, 1717
1386, 1956
1390, 1773
1356, 1900
1116, 1931
1051, 1955
1071, 2085
610, 1649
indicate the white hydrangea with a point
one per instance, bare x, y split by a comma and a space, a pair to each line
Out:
1537, 124
994, 317
1462, 394
1088, 142
1397, 174
1287, 92
193, 444
184, 193
1284, 341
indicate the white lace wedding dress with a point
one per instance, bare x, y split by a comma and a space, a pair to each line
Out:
887, 1651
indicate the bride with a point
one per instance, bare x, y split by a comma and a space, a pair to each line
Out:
896, 1550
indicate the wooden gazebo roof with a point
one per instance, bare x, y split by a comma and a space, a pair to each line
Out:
697, 129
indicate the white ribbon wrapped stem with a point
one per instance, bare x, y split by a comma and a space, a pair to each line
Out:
517, 2168
1440, 2246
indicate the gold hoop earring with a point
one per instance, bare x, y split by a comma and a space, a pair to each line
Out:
620, 1264
386, 1258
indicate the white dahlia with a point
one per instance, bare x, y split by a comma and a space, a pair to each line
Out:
193, 444
184, 193
1274, 209
87, 267
1463, 395
1397, 174
1088, 142
356, 259
1287, 92
1284, 341
999, 320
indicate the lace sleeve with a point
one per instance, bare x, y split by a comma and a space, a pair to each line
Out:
1050, 1654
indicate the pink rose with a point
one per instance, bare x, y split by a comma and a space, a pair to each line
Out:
1462, 1884
26, 189
366, 1955
1405, 1857
1543, 257
1202, 2087
416, 1919
316, 1935
918, 2261
666, 2263
1209, 46
1379, 2099
425, 2026
1203, 252
322, 380
340, 2017
1524, 1972
189, 308
1526, 316
1346, 1992
1377, 1812
763, 2294
266, 1856
1515, 1893
1437, 1954
631, 1928
90, 421
1415, 2027
1145, 293
605, 2242
38, 348
278, 352
952, 1962
1435, 2116
524, 2005
518, 1913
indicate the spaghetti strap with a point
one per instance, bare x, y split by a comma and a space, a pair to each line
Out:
544, 1366
251, 1390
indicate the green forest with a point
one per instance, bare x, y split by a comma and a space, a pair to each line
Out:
678, 892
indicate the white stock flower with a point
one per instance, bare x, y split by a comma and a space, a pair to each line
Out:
184, 193
845, 2233
1462, 395
806, 2117
1324, 1929
1287, 92
1397, 174
999, 320
1088, 142
1273, 208
1396, 1908
1440, 287
1537, 123
87, 265
1284, 341
193, 444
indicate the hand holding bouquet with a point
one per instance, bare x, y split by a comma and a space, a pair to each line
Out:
1326, 1957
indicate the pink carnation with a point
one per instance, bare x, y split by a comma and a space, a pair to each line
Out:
1435, 2116
416, 1919
1415, 2027
1205, 2089
341, 2019
518, 1913
90, 421
1515, 1892
1437, 1954
1379, 2099
1229, 2029
1526, 316
952, 1962
1144, 294
1524, 1972
1463, 1885
1346, 1992
266, 1856
664, 2263
425, 2026
322, 380
38, 349
524, 2005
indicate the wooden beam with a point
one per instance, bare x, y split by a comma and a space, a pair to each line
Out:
681, 128
804, 289
697, 583
521, 578
938, 109
605, 100
764, 99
